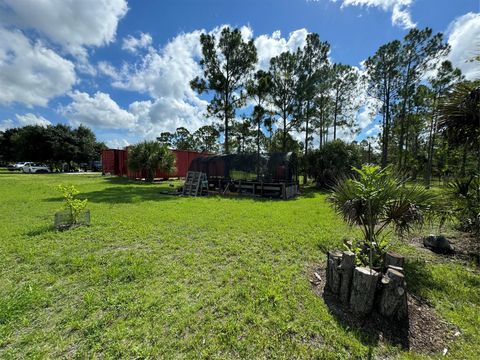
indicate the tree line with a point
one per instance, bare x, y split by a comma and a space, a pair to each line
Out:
302, 91
54, 144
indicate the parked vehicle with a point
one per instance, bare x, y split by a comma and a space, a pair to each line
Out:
35, 168
16, 167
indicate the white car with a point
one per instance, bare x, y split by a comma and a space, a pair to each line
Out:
33, 168
19, 166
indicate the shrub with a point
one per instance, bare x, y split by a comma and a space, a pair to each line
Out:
73, 206
466, 199
148, 156
334, 159
376, 199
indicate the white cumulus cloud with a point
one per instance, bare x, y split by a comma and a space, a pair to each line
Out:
74, 26
133, 44
97, 111
6, 124
464, 38
31, 73
117, 143
70, 23
32, 119
165, 74
400, 9
272, 45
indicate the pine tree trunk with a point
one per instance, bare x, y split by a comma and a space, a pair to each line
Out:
284, 138
306, 141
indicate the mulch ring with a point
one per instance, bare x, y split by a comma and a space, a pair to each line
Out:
466, 247
422, 332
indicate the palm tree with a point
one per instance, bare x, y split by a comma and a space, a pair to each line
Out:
459, 113
149, 156
376, 200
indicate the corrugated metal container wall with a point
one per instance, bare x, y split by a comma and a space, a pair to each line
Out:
115, 162
182, 162
108, 161
183, 158
122, 162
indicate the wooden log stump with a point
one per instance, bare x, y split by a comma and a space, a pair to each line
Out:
397, 268
393, 299
394, 259
333, 273
364, 285
346, 269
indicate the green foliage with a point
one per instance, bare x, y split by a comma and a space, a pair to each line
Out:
72, 205
203, 139
466, 203
460, 114
345, 103
148, 156
54, 144
364, 256
376, 199
283, 93
283, 142
312, 65
227, 62
333, 160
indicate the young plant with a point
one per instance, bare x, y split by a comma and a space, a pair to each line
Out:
73, 206
376, 200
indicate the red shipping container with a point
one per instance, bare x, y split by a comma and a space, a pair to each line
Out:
108, 161
115, 163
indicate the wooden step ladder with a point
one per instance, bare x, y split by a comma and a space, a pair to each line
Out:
196, 183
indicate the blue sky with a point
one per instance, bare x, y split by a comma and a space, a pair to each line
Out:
123, 68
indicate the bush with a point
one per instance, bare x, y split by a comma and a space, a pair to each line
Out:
148, 156
376, 200
466, 199
74, 207
334, 159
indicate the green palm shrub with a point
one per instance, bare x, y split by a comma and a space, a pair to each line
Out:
377, 201
465, 194
149, 156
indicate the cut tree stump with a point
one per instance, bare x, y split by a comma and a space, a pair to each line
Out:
363, 290
346, 270
393, 300
397, 268
334, 260
394, 260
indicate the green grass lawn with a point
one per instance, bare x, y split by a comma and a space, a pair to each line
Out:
163, 276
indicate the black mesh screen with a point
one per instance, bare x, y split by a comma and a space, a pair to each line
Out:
275, 167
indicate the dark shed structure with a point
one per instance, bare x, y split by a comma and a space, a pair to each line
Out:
272, 175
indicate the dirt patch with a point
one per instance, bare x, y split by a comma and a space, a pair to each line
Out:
466, 247
423, 331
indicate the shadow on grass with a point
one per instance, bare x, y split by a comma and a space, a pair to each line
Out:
124, 194
420, 278
312, 191
308, 192
369, 330
41, 230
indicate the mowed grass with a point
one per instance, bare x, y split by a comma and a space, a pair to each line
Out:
159, 276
